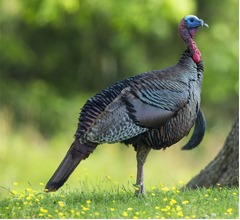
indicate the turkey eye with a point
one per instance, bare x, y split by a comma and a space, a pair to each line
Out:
191, 19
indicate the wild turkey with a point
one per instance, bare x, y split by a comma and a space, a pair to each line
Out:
153, 110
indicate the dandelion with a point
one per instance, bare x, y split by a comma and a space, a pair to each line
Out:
136, 188
153, 194
43, 210
178, 208
125, 214
88, 201
85, 208
180, 214
60, 214
165, 189
164, 210
112, 209
206, 195
193, 216
61, 204
234, 194
15, 183
180, 182
14, 192
157, 207
137, 213
230, 211
165, 199
173, 201
130, 209
28, 198
185, 202
29, 190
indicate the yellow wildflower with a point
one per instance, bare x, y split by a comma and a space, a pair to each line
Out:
173, 201
43, 210
180, 214
60, 214
157, 207
14, 192
125, 214
185, 202
165, 189
61, 204
15, 183
230, 211
88, 201
28, 198
85, 208
29, 190
130, 209
112, 209
180, 182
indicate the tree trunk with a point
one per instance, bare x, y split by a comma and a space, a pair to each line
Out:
224, 169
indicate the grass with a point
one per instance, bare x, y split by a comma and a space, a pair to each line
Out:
29, 158
110, 200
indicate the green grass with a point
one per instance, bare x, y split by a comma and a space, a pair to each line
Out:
107, 199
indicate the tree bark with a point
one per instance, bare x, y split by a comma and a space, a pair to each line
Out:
224, 169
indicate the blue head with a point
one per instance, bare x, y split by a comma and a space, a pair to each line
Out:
189, 25
193, 21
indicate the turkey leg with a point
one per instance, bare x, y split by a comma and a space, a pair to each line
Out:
142, 153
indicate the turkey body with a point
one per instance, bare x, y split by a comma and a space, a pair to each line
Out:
156, 108
152, 110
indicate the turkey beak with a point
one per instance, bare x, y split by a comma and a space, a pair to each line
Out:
203, 24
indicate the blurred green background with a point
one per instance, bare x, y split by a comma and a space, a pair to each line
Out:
56, 54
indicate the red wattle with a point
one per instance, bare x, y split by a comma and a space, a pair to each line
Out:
196, 57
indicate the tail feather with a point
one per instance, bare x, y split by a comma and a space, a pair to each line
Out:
198, 133
76, 153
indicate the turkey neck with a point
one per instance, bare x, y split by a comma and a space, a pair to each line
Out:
187, 36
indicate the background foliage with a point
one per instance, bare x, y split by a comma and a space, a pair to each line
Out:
56, 54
